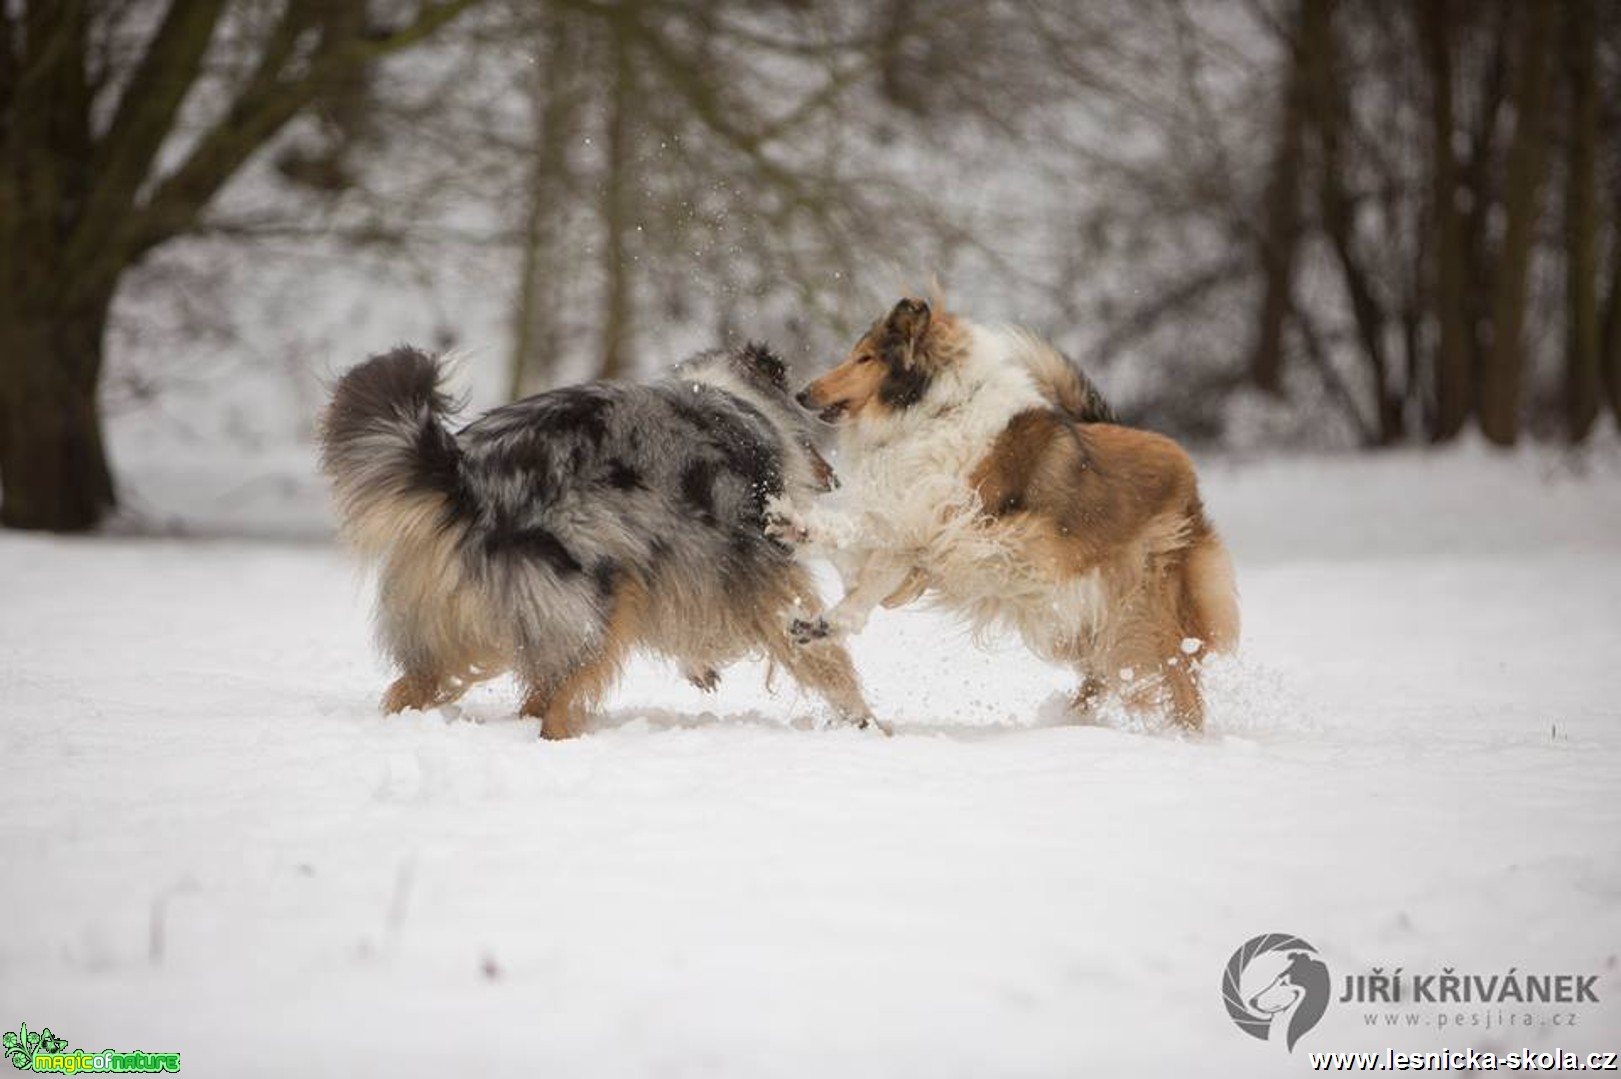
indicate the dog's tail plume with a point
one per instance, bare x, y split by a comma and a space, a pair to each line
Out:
1212, 595
394, 466
1063, 383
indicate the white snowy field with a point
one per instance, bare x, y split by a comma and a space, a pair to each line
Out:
214, 845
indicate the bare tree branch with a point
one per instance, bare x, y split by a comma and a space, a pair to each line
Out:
264, 105
123, 156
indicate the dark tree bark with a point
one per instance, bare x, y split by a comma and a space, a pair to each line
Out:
1480, 181
1280, 235
53, 465
79, 207
618, 211
1502, 377
51, 451
1610, 348
1612, 337
1583, 223
538, 331
1610, 361
1453, 394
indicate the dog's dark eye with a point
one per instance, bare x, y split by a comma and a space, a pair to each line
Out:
868, 358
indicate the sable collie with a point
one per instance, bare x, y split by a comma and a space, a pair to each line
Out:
981, 477
552, 536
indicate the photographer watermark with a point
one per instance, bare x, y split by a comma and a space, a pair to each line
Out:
1276, 988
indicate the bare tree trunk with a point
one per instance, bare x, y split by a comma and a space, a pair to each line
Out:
617, 212
1479, 181
1611, 359
1501, 379
537, 332
1327, 107
1317, 352
1453, 394
1280, 238
1583, 223
53, 463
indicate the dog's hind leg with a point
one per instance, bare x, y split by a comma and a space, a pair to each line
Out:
1146, 659
558, 701
559, 697
1086, 698
433, 681
412, 690
1185, 701
426, 679
1135, 652
437, 634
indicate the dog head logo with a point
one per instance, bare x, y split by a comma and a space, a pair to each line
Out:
1275, 982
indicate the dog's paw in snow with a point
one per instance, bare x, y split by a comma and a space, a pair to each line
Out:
870, 723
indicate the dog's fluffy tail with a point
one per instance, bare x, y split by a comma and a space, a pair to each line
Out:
1062, 382
1211, 591
393, 464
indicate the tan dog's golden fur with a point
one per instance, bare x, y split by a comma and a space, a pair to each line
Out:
978, 482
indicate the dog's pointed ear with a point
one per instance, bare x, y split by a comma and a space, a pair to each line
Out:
909, 320
766, 363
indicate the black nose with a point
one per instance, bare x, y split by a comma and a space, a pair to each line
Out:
803, 397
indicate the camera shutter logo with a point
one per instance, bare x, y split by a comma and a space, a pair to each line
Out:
1294, 999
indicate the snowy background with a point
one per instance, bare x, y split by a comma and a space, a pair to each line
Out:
216, 845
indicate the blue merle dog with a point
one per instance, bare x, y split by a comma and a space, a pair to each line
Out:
553, 536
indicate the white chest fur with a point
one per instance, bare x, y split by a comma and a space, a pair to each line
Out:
907, 473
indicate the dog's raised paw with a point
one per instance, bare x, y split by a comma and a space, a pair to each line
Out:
809, 630
786, 529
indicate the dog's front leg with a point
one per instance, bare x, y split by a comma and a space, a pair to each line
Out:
876, 578
812, 528
916, 583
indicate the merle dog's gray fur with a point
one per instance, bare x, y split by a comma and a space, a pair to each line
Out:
549, 536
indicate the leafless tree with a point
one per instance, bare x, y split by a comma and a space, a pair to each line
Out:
120, 124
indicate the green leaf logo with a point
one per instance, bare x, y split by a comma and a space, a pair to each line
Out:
21, 1045
16, 1046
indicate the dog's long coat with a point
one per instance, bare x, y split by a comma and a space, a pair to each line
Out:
551, 536
980, 479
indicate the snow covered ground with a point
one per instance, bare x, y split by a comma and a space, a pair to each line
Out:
214, 845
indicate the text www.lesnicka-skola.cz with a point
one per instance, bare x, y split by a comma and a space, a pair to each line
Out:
1526, 1060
